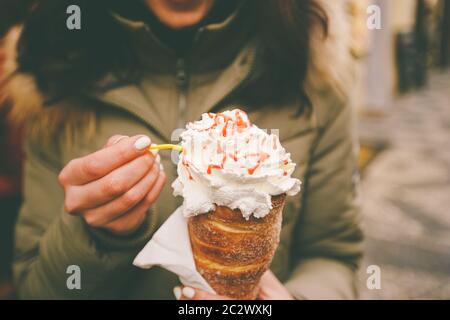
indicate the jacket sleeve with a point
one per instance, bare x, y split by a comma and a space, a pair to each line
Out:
49, 242
327, 244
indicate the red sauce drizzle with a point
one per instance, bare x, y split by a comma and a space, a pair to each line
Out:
262, 157
285, 162
252, 170
240, 122
219, 147
186, 164
224, 159
248, 139
216, 166
189, 173
234, 156
213, 166
264, 140
224, 131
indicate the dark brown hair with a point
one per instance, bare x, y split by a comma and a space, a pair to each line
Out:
67, 63
12, 12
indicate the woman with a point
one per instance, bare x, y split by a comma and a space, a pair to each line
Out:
95, 98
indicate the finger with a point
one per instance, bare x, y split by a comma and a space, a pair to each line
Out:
267, 277
114, 139
130, 221
153, 195
98, 164
177, 293
112, 210
266, 285
270, 288
113, 185
189, 293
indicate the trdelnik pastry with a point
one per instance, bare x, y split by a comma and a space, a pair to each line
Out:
234, 178
228, 161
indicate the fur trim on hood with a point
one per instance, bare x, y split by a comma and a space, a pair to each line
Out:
20, 93
330, 65
17, 89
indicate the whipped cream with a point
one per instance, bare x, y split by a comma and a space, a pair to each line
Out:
228, 161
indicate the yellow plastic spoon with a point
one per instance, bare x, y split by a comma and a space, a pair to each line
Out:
166, 146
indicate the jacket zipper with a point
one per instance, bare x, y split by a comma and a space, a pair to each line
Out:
182, 85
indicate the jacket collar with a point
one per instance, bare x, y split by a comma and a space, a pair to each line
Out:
133, 99
235, 60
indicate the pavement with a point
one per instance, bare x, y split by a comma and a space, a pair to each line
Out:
405, 195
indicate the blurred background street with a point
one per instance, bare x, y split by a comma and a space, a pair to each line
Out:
406, 195
403, 104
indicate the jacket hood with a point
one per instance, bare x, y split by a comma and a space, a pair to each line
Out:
329, 67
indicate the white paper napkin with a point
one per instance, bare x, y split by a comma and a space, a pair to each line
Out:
170, 248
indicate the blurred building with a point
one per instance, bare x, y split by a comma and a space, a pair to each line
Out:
396, 58
403, 104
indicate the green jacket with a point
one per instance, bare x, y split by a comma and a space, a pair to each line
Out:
321, 239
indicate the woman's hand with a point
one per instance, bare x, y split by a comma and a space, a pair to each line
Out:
188, 293
114, 187
270, 288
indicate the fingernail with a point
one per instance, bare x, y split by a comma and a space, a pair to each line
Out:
158, 158
177, 292
142, 143
155, 152
161, 167
188, 292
